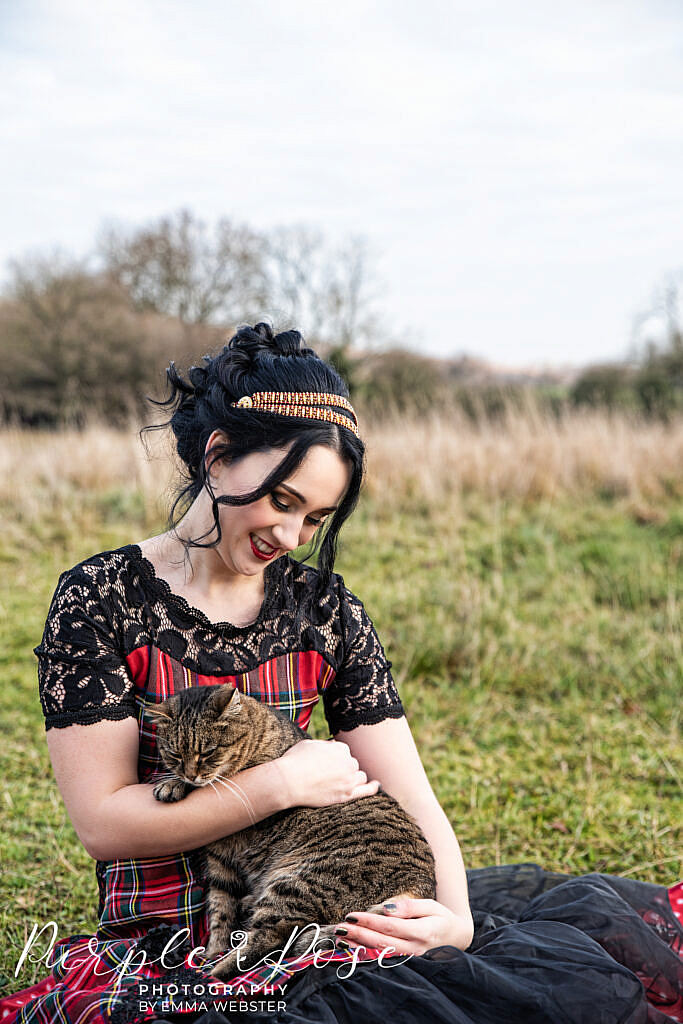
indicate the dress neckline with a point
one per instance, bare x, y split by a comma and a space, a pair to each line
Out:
273, 573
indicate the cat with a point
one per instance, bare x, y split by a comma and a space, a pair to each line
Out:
300, 866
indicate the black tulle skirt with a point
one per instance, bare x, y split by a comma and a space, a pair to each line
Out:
548, 948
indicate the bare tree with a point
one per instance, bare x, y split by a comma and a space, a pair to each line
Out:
297, 279
326, 292
351, 295
659, 326
178, 267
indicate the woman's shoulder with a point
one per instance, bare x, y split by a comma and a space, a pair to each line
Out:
100, 580
112, 559
102, 567
301, 577
335, 603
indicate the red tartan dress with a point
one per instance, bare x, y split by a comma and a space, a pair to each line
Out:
118, 640
595, 949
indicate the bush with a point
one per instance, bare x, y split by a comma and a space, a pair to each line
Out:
400, 381
608, 386
659, 382
72, 346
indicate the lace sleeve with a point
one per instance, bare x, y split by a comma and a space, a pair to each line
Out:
82, 676
363, 691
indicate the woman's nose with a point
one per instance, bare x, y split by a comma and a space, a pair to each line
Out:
287, 534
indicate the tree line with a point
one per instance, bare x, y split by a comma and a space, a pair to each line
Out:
651, 386
91, 338
82, 338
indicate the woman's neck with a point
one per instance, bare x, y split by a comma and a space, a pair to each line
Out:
192, 575
200, 574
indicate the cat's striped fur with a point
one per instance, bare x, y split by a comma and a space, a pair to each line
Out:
298, 866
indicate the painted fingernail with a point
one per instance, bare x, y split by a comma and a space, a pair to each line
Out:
350, 919
389, 906
341, 931
343, 946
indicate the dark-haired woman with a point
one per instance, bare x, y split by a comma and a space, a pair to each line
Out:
274, 461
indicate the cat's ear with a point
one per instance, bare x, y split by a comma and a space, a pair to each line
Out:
158, 712
225, 701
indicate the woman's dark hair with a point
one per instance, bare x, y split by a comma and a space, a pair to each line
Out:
254, 360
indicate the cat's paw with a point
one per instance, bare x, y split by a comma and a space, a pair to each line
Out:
171, 791
226, 968
213, 948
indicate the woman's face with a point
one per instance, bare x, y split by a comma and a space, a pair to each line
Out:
255, 535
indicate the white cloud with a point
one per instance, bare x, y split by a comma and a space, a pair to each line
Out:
517, 166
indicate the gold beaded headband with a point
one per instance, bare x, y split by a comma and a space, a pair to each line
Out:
302, 403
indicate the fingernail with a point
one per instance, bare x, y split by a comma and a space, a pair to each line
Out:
343, 946
341, 931
389, 906
350, 919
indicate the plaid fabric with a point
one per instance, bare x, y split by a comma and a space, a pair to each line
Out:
95, 982
93, 975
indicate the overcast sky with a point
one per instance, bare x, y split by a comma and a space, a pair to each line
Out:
517, 167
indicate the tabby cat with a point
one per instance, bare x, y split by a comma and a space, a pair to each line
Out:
298, 866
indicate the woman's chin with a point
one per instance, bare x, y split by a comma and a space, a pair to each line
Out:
250, 567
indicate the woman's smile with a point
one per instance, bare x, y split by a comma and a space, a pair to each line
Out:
261, 549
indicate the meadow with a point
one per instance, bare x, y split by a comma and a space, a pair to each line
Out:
525, 578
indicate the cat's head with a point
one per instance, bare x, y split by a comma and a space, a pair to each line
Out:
201, 733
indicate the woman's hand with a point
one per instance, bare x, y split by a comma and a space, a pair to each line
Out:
408, 925
320, 772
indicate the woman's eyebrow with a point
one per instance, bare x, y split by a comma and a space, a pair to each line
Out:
331, 508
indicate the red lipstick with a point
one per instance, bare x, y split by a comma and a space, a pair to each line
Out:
260, 554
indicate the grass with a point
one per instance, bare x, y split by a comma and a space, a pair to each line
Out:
535, 636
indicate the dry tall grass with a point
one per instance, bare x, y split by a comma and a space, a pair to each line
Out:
527, 456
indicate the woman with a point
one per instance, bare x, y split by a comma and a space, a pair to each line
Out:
274, 461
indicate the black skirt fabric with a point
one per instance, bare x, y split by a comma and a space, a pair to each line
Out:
548, 949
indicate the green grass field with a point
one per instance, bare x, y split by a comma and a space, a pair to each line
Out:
537, 649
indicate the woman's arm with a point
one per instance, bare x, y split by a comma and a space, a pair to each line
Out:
115, 816
387, 751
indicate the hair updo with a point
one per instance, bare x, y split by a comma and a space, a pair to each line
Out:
254, 360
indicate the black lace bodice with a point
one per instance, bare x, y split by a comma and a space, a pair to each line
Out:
114, 603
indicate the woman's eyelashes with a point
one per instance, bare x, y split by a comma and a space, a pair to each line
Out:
282, 506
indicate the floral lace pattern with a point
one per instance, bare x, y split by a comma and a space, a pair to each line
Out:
113, 603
